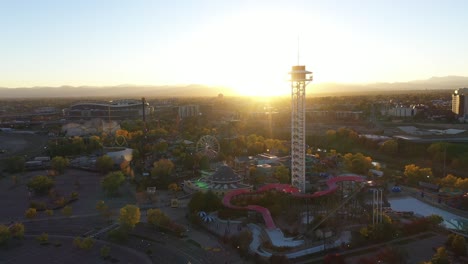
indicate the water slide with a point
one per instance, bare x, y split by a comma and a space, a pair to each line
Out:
269, 223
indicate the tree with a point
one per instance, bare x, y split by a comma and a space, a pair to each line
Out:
162, 168
174, 187
59, 164
30, 213
4, 234
414, 174
129, 216
41, 184
67, 210
357, 163
104, 164
207, 202
14, 164
435, 219
157, 218
462, 184
389, 147
282, 174
112, 182
440, 257
448, 181
459, 245
17, 230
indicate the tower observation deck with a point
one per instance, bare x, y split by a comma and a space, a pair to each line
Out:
299, 80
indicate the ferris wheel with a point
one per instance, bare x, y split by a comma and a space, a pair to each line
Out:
208, 146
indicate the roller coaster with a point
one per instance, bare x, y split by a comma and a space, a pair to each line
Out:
295, 192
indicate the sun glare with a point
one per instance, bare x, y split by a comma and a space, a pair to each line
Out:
249, 53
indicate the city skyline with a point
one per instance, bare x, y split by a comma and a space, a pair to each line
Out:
249, 46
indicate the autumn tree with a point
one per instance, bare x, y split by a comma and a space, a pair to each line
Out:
17, 230
331, 136
112, 182
41, 184
389, 147
83, 243
174, 187
129, 216
440, 257
357, 163
462, 184
157, 218
59, 164
30, 213
414, 174
448, 181
162, 168
104, 164
458, 245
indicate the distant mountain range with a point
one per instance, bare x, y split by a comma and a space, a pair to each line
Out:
195, 90
435, 83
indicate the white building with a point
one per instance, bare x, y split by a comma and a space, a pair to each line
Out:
459, 103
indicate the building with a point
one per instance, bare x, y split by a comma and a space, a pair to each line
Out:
112, 110
459, 103
188, 111
220, 182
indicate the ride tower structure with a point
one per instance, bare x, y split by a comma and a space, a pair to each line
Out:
300, 78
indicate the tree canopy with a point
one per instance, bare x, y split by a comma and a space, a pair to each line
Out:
41, 184
59, 164
414, 174
129, 216
104, 164
112, 182
357, 163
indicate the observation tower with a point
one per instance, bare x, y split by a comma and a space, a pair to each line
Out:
299, 80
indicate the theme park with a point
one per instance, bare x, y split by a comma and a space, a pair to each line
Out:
223, 180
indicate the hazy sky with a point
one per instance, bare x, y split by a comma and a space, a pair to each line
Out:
248, 45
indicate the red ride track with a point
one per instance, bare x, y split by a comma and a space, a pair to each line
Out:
331, 183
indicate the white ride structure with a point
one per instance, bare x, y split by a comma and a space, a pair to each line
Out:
299, 80
209, 146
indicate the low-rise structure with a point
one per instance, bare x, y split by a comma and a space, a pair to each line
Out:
223, 180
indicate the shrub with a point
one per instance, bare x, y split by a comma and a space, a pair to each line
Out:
17, 230
119, 235
67, 210
105, 251
43, 239
60, 202
74, 196
4, 234
39, 206
30, 213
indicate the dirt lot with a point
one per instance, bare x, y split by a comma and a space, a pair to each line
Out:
21, 144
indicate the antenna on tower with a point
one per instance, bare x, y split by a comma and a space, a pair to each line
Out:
298, 50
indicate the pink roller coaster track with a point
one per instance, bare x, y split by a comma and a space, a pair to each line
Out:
270, 224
